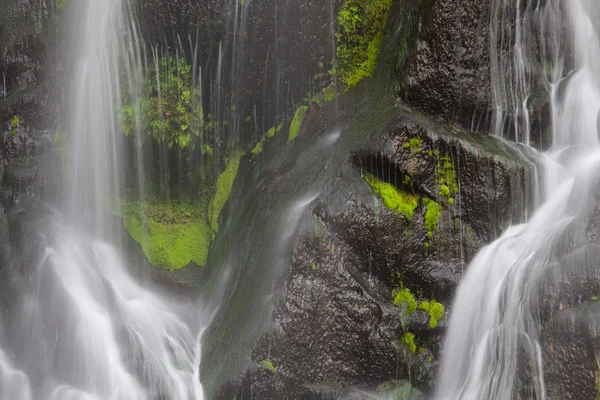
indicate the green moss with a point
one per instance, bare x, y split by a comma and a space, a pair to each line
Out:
409, 340
170, 235
296, 123
436, 311
359, 34
271, 132
447, 175
414, 145
268, 365
394, 199
258, 148
14, 125
60, 4
444, 191
432, 215
451, 200
404, 300
223, 189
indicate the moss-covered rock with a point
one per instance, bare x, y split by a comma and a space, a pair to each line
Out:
171, 235
396, 200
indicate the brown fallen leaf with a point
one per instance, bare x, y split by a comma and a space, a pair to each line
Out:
560, 307
551, 348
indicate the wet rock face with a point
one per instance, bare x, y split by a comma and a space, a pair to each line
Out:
30, 97
258, 60
335, 324
569, 307
445, 61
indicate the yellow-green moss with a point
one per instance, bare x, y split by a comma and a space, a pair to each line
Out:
432, 215
170, 235
268, 365
14, 125
409, 340
223, 189
436, 311
394, 199
296, 123
414, 145
447, 176
258, 148
271, 132
359, 34
404, 299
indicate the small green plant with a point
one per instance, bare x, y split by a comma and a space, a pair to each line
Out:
169, 108
268, 365
314, 266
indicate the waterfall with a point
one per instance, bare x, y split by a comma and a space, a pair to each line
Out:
494, 330
81, 326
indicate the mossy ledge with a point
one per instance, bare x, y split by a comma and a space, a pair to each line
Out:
169, 243
177, 233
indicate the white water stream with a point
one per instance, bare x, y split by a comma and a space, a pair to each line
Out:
494, 322
82, 328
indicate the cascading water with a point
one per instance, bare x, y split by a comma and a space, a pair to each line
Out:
495, 322
82, 327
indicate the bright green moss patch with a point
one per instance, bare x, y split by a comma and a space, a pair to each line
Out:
436, 311
432, 215
268, 365
404, 300
447, 175
271, 132
444, 191
414, 145
223, 189
296, 123
409, 340
171, 235
359, 34
394, 199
